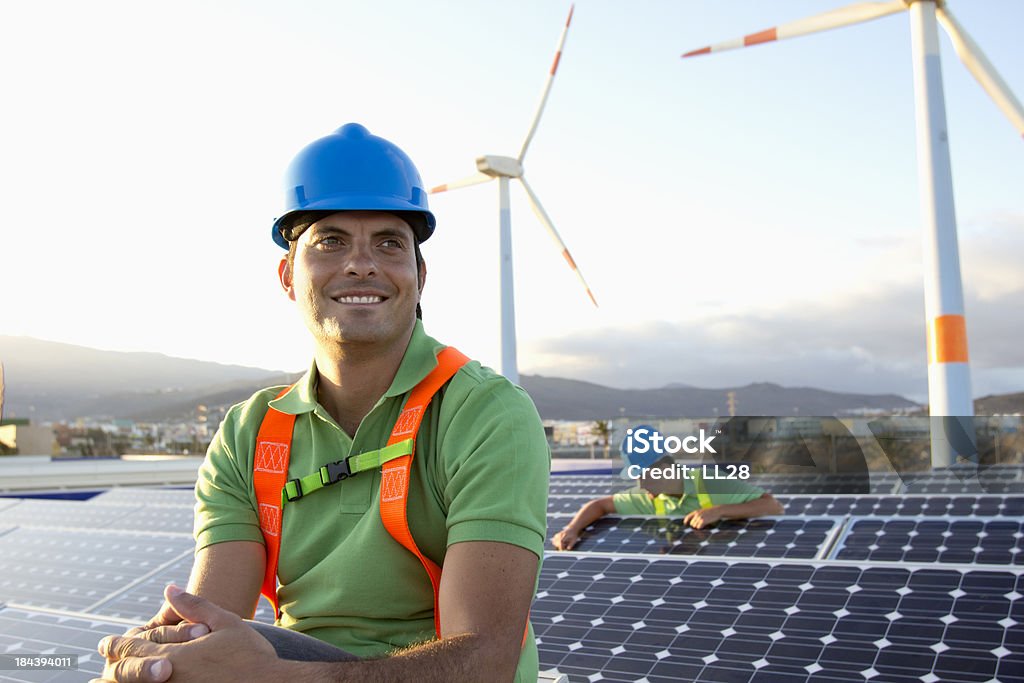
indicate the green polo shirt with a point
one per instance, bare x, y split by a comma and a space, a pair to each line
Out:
721, 491
480, 473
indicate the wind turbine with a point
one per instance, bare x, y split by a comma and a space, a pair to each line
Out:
504, 168
949, 380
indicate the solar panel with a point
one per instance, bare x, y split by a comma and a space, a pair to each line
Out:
159, 518
822, 483
944, 540
79, 514
966, 479
566, 504
906, 506
63, 513
145, 496
765, 537
140, 600
661, 620
953, 485
985, 505
775, 484
73, 570
715, 606
29, 631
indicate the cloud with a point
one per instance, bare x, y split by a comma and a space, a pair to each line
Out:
868, 339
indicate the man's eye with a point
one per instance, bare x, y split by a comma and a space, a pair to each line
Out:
391, 244
328, 241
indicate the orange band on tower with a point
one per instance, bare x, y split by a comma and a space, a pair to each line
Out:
947, 339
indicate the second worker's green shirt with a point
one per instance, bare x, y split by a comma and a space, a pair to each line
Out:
721, 491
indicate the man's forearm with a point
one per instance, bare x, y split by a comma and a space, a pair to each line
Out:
229, 575
458, 658
587, 515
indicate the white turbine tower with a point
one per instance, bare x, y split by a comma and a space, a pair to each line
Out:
949, 381
503, 168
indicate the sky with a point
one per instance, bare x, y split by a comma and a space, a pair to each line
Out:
743, 217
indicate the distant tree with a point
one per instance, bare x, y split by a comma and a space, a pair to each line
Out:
603, 430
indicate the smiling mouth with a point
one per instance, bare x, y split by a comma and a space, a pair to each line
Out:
359, 299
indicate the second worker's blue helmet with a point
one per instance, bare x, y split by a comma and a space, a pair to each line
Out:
638, 451
352, 170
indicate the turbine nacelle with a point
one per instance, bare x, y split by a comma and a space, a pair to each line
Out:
497, 166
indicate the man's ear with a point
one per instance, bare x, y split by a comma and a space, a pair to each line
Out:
284, 274
422, 276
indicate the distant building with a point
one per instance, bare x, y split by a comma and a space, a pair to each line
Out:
19, 437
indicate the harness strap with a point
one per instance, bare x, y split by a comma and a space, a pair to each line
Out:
333, 472
269, 473
273, 491
702, 495
659, 506
394, 480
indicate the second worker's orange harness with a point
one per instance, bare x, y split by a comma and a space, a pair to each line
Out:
270, 476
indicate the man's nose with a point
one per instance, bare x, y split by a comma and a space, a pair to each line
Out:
360, 261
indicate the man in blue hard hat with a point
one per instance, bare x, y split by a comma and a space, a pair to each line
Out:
668, 489
349, 544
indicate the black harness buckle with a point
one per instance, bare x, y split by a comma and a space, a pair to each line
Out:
333, 472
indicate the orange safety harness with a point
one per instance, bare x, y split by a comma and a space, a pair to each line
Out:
270, 474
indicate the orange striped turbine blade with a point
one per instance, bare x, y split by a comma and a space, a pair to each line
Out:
474, 179
982, 70
546, 221
844, 16
547, 87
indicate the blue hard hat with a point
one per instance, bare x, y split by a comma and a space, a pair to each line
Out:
631, 457
352, 170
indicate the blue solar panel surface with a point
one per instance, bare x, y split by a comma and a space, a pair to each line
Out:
671, 619
913, 586
805, 538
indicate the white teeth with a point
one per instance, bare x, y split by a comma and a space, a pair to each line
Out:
360, 299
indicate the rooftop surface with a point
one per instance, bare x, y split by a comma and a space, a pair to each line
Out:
908, 580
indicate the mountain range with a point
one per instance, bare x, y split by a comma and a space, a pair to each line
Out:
50, 381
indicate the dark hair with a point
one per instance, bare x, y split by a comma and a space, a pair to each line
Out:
416, 252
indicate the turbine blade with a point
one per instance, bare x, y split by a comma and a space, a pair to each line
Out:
474, 179
543, 216
547, 87
843, 16
982, 70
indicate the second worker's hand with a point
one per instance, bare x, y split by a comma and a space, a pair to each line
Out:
565, 539
700, 519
